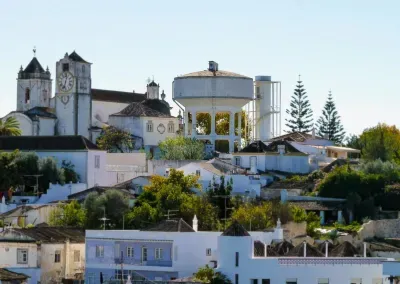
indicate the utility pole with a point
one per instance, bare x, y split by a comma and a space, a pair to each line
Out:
168, 213
225, 197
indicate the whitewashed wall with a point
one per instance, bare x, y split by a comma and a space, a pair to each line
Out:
96, 176
102, 110
278, 270
155, 137
58, 192
8, 254
46, 126
25, 123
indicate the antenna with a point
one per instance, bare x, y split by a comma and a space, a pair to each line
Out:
168, 213
104, 219
34, 51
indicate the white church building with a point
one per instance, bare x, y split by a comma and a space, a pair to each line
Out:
78, 109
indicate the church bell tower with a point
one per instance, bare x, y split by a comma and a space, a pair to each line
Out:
73, 95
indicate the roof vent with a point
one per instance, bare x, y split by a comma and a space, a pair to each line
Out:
212, 66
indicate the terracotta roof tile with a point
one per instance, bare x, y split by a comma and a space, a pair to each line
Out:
8, 275
171, 226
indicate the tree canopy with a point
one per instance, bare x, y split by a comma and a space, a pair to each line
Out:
207, 274
329, 124
182, 148
112, 204
301, 114
9, 127
114, 140
68, 215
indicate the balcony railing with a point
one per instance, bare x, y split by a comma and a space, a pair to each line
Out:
150, 262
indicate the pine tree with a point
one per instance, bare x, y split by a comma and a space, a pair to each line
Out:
329, 124
300, 111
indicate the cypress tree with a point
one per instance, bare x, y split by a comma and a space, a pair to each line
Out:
329, 124
301, 114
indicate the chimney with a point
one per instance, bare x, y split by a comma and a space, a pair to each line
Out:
281, 149
212, 66
305, 249
365, 249
326, 248
195, 224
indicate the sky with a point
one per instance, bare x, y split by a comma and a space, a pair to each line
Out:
348, 47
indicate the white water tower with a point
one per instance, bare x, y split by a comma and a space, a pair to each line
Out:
267, 108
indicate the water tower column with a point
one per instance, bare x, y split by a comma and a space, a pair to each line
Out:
239, 130
231, 132
194, 124
186, 118
212, 133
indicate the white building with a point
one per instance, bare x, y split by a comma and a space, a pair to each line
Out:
237, 260
46, 254
24, 215
168, 250
213, 170
77, 108
89, 162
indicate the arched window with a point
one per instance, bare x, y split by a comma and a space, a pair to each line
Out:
27, 95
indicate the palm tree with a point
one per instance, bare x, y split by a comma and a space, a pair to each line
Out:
9, 127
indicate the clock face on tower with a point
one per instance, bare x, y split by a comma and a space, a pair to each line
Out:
65, 81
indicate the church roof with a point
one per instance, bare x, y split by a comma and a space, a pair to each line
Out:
152, 84
76, 57
46, 143
41, 112
116, 96
158, 105
141, 109
33, 66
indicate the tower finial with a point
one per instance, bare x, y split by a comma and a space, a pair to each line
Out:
34, 51
299, 77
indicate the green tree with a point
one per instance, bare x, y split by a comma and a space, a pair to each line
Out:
69, 172
9, 174
174, 192
219, 194
301, 114
9, 127
254, 217
182, 148
68, 215
207, 274
50, 173
353, 141
112, 203
329, 124
114, 140
381, 142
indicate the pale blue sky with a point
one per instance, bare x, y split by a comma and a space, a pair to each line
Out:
351, 47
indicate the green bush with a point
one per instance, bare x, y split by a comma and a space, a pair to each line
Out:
351, 228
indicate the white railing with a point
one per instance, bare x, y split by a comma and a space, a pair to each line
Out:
329, 260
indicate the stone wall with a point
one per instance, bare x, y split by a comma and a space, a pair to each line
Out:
292, 230
388, 228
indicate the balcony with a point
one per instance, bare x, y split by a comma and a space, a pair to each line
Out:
139, 262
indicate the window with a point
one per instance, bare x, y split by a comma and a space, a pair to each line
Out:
170, 127
91, 278
97, 162
77, 256
208, 252
65, 67
57, 256
236, 278
99, 251
266, 281
236, 259
198, 173
129, 252
253, 281
158, 253
149, 126
144, 254
291, 281
323, 280
27, 95
237, 161
22, 256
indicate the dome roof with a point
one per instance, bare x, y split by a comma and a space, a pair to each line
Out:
218, 73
